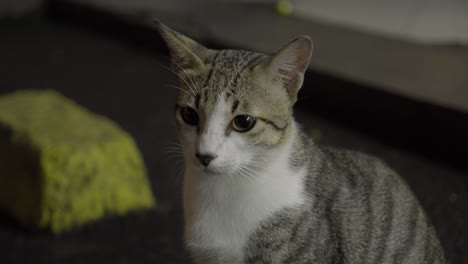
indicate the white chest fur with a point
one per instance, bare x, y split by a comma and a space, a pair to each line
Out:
221, 212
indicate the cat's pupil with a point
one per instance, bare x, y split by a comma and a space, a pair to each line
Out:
190, 116
243, 123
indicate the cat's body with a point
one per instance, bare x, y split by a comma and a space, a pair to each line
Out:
258, 190
359, 211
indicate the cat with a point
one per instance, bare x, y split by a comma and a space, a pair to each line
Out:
257, 189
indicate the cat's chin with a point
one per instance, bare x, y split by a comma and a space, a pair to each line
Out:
213, 170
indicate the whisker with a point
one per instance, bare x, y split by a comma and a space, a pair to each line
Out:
170, 144
258, 165
245, 174
249, 174
178, 88
178, 170
174, 143
174, 149
185, 71
180, 76
174, 156
173, 153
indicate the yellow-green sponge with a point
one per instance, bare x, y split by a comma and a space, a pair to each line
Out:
62, 166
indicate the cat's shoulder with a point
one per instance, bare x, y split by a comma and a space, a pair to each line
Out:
347, 155
356, 162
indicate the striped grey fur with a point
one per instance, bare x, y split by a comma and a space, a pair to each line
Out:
361, 211
356, 209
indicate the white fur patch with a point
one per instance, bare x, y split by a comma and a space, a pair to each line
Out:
213, 135
221, 211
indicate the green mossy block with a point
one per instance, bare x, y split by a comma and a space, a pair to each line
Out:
62, 166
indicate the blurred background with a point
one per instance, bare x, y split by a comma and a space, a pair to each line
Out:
387, 78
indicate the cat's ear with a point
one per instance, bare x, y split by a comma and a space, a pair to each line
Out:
287, 66
186, 54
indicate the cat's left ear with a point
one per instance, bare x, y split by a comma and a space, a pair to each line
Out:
287, 66
186, 54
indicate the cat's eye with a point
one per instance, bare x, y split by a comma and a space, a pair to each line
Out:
243, 123
189, 115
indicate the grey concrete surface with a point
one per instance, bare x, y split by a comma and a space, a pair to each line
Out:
125, 82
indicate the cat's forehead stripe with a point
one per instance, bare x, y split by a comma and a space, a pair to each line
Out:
197, 100
235, 105
211, 69
205, 95
228, 66
225, 73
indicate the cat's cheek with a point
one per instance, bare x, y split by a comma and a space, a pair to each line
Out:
187, 138
238, 151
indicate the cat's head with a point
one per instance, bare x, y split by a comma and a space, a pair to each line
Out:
234, 107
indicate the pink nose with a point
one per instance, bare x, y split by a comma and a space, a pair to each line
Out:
205, 159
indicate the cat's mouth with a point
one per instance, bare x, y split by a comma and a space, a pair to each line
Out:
215, 168
212, 170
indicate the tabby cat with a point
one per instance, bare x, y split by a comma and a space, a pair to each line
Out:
257, 189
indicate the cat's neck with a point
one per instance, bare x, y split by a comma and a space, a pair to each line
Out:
222, 211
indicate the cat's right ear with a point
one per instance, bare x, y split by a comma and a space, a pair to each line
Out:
186, 54
288, 65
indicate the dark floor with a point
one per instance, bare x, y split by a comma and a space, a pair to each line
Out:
126, 83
